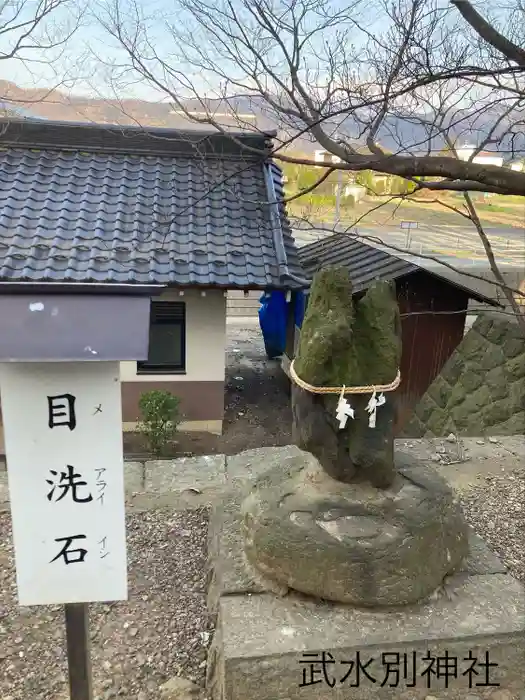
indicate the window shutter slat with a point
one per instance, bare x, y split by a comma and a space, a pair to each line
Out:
167, 311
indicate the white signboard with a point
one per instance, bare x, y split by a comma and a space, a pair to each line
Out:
63, 440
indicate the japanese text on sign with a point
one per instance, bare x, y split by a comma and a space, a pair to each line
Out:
63, 435
392, 669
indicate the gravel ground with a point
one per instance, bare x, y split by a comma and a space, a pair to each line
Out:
162, 631
496, 510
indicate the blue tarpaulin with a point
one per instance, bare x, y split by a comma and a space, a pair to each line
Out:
300, 307
272, 320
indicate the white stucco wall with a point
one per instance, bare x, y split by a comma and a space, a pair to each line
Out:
205, 339
205, 351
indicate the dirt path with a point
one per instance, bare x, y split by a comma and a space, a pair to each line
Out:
258, 410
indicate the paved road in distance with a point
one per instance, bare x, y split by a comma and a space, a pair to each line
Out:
460, 243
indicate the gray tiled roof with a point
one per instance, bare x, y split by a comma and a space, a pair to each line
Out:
367, 264
84, 203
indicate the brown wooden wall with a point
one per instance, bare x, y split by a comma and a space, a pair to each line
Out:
428, 338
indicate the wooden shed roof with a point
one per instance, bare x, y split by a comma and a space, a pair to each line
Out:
368, 264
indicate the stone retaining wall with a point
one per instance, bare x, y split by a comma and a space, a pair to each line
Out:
481, 389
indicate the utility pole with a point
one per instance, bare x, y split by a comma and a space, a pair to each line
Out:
338, 197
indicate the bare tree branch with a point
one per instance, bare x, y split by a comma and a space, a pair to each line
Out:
250, 42
390, 88
37, 33
487, 32
514, 305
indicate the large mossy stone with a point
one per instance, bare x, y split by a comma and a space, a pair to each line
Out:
348, 342
353, 543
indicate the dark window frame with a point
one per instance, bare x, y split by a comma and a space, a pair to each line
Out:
172, 313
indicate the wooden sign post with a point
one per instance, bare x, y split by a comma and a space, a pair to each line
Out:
63, 438
78, 651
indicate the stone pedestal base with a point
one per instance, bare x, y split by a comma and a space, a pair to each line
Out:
354, 543
267, 647
258, 652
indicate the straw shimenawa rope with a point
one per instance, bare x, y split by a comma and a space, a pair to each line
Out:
343, 389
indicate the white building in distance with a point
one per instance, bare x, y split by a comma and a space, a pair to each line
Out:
483, 157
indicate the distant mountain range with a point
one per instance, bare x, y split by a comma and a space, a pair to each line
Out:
251, 112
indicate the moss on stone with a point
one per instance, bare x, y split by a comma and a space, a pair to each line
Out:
457, 396
470, 381
476, 400
324, 355
458, 416
494, 357
439, 392
345, 341
473, 347
514, 347
474, 426
517, 395
497, 331
485, 377
496, 380
482, 324
497, 412
378, 334
425, 408
515, 425
453, 368
450, 427
516, 367
437, 421
351, 342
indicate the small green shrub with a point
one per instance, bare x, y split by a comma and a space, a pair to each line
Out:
160, 416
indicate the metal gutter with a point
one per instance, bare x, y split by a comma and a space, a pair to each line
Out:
277, 230
80, 288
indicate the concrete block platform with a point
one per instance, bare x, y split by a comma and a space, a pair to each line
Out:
259, 648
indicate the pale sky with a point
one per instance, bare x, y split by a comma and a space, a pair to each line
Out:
77, 64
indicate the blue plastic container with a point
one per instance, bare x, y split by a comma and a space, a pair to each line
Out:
273, 315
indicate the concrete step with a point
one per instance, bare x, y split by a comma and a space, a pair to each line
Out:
242, 311
242, 304
237, 304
